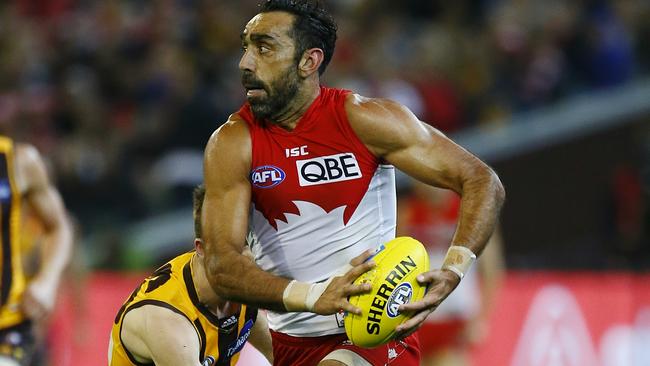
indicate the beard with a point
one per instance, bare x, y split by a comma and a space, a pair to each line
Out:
279, 93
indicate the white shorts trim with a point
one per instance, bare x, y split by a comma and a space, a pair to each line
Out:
347, 357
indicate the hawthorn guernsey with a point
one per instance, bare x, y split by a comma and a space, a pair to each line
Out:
319, 198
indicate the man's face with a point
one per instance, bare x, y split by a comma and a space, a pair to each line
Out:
268, 65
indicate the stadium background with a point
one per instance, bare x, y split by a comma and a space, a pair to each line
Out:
121, 96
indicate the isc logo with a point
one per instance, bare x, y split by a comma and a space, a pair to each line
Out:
267, 176
328, 169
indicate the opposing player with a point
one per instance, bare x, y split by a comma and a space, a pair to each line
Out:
310, 170
174, 318
26, 302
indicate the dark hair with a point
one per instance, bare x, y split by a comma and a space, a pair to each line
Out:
313, 26
197, 198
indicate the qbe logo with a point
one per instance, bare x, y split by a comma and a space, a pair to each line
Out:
267, 176
328, 169
400, 296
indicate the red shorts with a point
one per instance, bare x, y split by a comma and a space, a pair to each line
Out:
309, 351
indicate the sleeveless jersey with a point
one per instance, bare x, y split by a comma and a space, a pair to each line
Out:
171, 287
319, 198
13, 280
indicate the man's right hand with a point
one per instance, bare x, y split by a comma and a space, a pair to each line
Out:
340, 288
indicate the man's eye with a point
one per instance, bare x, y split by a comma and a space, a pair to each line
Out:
264, 49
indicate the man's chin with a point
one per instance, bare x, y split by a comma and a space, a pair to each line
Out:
259, 110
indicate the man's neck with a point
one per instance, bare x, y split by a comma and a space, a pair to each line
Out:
204, 291
289, 118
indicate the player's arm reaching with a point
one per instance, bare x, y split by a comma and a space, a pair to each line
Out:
226, 208
394, 133
44, 199
159, 335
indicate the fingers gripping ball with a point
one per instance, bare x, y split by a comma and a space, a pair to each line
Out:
394, 283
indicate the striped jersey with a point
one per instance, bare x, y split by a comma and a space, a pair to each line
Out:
171, 287
13, 281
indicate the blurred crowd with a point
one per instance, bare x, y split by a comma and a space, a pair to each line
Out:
121, 96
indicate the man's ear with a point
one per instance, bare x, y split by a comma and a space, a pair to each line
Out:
198, 245
310, 62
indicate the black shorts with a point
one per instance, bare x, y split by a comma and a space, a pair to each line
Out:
18, 343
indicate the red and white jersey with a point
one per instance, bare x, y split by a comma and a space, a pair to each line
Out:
319, 198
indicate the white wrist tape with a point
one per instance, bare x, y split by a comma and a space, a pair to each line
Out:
301, 296
458, 260
294, 295
315, 291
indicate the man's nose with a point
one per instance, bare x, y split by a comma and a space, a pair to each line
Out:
247, 62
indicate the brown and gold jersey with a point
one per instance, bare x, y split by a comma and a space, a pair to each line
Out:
12, 277
171, 287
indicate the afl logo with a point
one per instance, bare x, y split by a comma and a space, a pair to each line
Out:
267, 176
400, 296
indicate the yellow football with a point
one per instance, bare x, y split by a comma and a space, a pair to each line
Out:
394, 283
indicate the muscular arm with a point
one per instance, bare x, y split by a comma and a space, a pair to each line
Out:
393, 133
56, 251
226, 207
159, 335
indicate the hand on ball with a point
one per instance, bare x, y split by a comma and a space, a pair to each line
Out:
441, 283
335, 297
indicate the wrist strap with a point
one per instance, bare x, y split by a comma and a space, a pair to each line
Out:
301, 296
458, 260
315, 291
295, 295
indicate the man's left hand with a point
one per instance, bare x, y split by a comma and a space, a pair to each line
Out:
39, 298
441, 283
